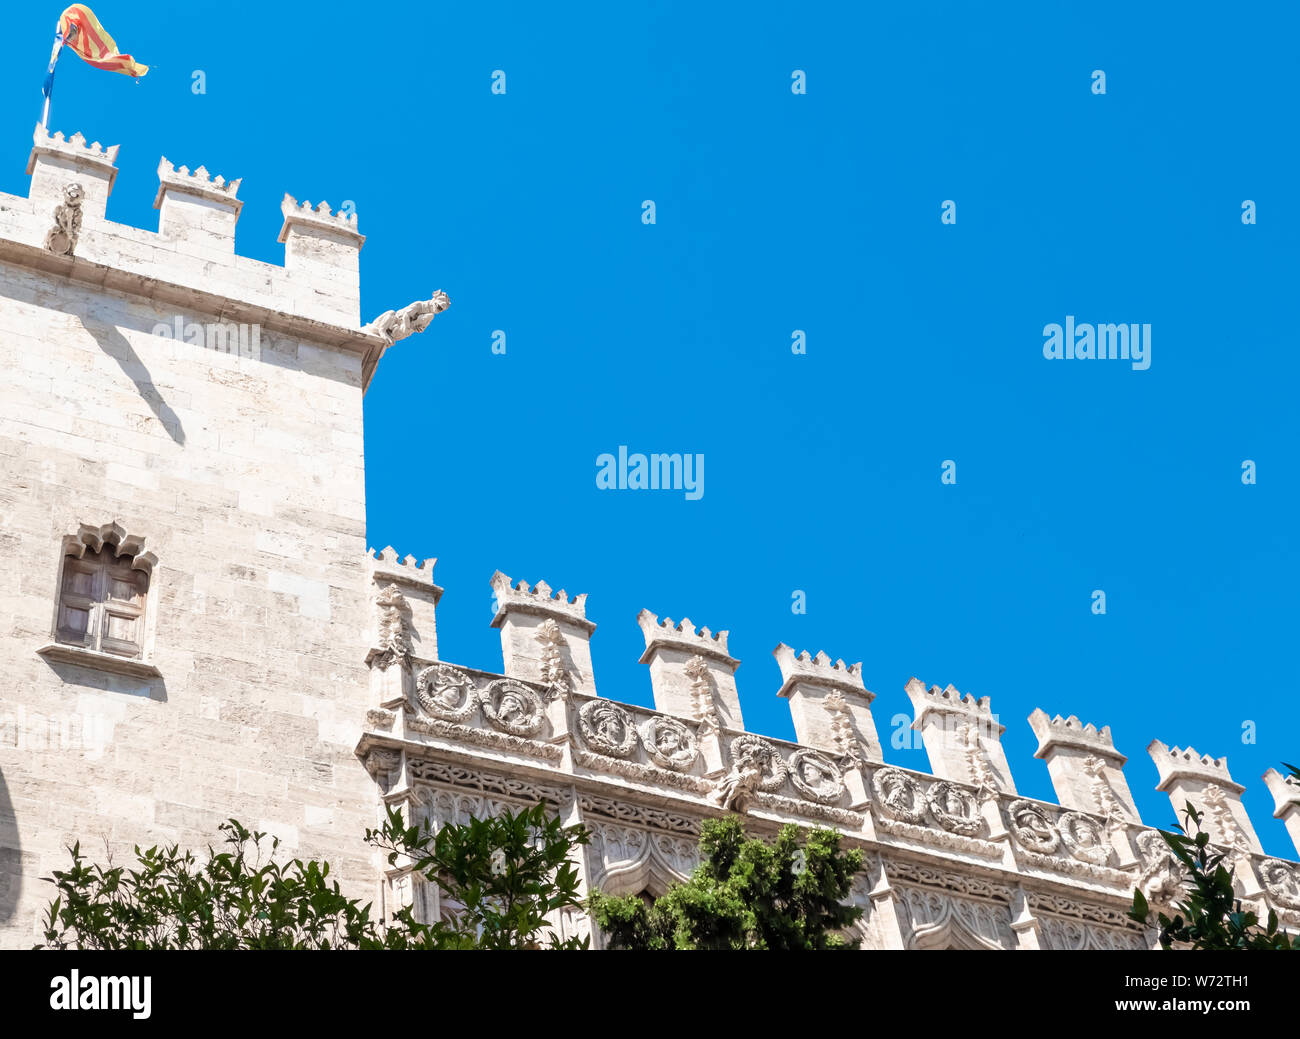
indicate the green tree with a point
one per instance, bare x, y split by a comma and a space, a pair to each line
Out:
746, 894
505, 873
1211, 915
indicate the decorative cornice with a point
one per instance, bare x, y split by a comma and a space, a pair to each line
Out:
112, 536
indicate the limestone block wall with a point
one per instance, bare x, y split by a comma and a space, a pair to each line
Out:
241, 469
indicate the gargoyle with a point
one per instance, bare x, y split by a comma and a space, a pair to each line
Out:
393, 325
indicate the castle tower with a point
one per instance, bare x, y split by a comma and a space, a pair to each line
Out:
182, 462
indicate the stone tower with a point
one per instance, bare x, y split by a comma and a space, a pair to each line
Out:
184, 626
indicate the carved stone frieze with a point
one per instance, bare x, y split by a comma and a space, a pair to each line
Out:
1282, 882
641, 770
669, 743
1031, 827
513, 707
898, 795
816, 777
607, 728
956, 809
940, 838
485, 738
446, 692
1085, 838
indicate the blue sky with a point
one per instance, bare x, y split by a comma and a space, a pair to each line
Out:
820, 212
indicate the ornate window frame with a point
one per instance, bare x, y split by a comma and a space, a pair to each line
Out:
127, 549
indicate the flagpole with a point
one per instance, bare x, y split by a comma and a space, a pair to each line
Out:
49, 76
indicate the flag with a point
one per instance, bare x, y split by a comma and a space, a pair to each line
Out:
80, 30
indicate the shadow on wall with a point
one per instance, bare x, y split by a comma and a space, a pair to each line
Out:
11, 855
113, 343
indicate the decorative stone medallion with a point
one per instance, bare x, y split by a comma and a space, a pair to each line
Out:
1085, 838
816, 776
899, 795
1032, 829
607, 728
445, 692
773, 770
669, 743
512, 707
956, 809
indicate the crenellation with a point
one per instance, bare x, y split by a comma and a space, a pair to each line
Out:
196, 208
829, 704
545, 635
1188, 776
1087, 771
1286, 801
962, 736
691, 672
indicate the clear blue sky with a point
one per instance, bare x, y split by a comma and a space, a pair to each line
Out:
819, 212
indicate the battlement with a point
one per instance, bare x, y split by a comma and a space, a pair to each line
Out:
1070, 732
683, 635
539, 599
818, 669
189, 262
949, 700
1178, 763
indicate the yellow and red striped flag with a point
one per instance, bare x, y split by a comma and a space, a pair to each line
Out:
82, 32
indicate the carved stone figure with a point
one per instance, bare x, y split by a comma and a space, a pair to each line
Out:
899, 795
607, 728
773, 770
554, 674
669, 743
738, 785
816, 776
512, 707
1162, 874
1032, 829
446, 692
705, 709
394, 630
1282, 882
61, 239
394, 325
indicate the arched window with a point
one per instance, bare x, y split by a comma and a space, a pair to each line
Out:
102, 614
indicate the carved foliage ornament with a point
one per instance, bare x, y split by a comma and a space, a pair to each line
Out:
899, 795
1032, 829
669, 743
394, 628
816, 776
512, 707
446, 692
607, 728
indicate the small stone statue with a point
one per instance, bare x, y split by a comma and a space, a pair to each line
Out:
734, 789
62, 237
393, 325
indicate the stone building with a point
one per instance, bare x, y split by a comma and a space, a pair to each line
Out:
196, 630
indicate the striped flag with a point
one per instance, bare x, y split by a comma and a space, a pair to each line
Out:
82, 32
79, 29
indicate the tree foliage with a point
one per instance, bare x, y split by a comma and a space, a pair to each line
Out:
746, 894
505, 874
1210, 916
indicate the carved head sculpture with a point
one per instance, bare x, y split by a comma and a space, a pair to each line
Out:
73, 195
668, 741
512, 706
